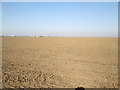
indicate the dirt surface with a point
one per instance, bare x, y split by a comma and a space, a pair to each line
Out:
0, 62
60, 62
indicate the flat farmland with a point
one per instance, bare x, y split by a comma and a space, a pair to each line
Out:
59, 62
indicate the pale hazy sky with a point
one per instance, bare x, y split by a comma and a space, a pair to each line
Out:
60, 18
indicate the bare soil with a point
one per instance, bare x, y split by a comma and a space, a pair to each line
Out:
59, 62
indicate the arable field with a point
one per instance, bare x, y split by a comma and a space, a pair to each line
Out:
59, 62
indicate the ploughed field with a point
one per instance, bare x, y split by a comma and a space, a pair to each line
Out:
59, 62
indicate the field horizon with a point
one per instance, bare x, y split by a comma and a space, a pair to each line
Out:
59, 45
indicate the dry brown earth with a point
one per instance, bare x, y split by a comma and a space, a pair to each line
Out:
59, 62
